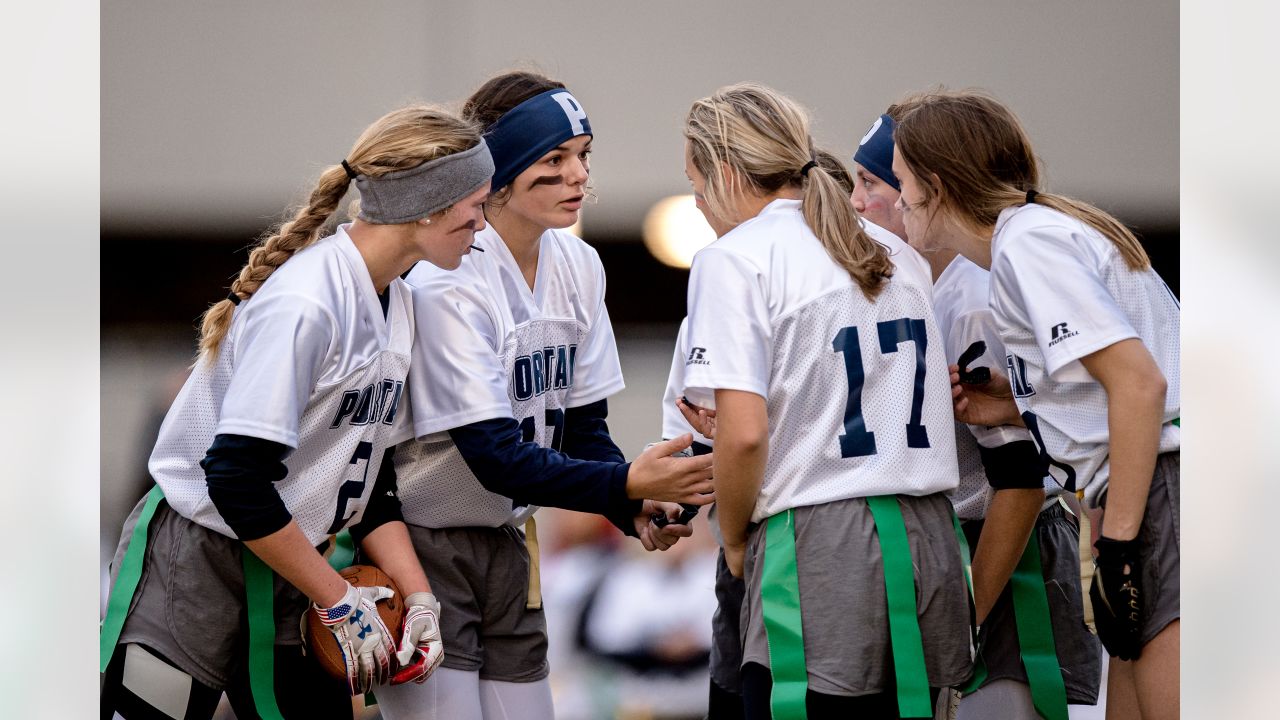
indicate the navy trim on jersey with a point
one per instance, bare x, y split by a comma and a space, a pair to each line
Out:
241, 472
530, 474
1015, 465
700, 449
384, 503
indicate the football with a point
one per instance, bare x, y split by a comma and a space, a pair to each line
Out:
320, 641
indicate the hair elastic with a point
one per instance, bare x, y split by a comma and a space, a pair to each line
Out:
804, 171
351, 174
233, 297
1031, 196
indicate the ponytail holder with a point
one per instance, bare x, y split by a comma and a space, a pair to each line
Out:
804, 171
233, 297
350, 173
1031, 196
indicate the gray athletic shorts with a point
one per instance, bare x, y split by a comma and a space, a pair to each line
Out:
190, 601
842, 597
481, 578
726, 638
1079, 652
1161, 553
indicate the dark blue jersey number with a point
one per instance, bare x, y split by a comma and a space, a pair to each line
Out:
857, 440
555, 421
352, 489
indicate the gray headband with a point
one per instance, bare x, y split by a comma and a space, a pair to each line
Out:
407, 195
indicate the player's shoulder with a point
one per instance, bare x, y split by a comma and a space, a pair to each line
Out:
778, 223
905, 259
324, 272
1035, 230
754, 242
962, 287
962, 276
572, 249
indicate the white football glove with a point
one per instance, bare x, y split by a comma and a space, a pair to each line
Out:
420, 642
364, 639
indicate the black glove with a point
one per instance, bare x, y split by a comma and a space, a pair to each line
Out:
1116, 594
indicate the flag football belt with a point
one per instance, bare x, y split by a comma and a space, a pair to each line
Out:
780, 606
1036, 645
259, 601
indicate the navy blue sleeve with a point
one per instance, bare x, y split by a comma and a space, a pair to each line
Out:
241, 472
586, 437
1015, 465
384, 503
530, 474
586, 434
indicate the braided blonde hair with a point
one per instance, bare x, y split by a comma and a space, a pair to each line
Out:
763, 137
399, 140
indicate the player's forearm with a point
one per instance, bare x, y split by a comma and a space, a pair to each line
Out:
390, 548
739, 476
742, 449
1135, 410
288, 552
1134, 415
1005, 532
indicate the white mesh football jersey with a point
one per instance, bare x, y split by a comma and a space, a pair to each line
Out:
856, 391
1060, 291
309, 362
964, 318
491, 348
673, 423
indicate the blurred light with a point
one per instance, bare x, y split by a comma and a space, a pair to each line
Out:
674, 231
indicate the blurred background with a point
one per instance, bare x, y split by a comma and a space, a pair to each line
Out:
217, 116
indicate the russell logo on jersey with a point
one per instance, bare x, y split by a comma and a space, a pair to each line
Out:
696, 357
1059, 333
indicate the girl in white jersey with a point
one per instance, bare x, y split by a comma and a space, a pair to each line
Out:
724, 701
1001, 499
281, 438
1091, 337
834, 445
513, 364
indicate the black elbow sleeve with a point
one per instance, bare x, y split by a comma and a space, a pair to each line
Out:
241, 473
1015, 465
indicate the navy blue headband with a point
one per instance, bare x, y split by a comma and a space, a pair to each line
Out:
532, 129
875, 152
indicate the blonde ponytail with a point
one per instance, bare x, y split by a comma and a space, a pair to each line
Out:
762, 137
831, 216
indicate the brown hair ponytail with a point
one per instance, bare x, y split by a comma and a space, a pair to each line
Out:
983, 163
